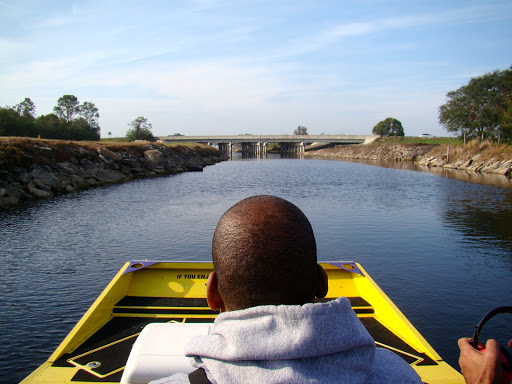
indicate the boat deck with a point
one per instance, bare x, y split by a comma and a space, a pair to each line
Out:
97, 349
112, 343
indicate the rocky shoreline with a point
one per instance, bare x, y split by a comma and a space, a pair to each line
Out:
33, 169
479, 159
36, 169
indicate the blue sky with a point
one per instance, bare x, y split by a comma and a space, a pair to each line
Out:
259, 67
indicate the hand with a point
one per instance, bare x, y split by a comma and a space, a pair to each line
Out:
478, 367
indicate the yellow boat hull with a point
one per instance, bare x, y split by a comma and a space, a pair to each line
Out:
97, 348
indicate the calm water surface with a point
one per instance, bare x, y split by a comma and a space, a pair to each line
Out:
441, 248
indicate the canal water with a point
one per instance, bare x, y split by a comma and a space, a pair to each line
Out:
441, 248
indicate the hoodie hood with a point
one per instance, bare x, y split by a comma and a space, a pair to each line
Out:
321, 342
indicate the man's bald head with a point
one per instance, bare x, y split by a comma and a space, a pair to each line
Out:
264, 252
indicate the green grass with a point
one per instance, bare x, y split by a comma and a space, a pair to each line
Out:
420, 140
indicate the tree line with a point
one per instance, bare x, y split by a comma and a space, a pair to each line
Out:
70, 120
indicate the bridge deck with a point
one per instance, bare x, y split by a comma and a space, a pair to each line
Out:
340, 139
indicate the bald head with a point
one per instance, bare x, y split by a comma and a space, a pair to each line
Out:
264, 252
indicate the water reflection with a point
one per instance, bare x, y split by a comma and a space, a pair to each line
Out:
467, 176
291, 156
244, 155
481, 215
478, 212
471, 177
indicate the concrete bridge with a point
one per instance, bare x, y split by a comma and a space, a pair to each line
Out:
257, 144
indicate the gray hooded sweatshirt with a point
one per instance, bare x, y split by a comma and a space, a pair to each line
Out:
312, 343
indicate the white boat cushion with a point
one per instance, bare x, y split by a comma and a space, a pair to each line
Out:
158, 351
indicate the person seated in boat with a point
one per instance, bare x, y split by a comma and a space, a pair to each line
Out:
478, 367
270, 329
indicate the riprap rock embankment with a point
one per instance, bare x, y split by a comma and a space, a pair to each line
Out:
482, 158
33, 169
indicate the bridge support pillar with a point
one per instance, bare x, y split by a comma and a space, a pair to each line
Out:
254, 148
292, 148
226, 148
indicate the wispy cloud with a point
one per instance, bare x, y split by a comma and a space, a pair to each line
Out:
330, 35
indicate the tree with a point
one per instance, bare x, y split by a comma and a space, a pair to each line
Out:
51, 127
90, 113
81, 120
12, 124
26, 108
388, 127
67, 107
80, 129
17, 120
477, 109
141, 130
301, 130
506, 119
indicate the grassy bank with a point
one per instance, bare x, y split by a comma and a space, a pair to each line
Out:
484, 150
115, 142
171, 145
420, 140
